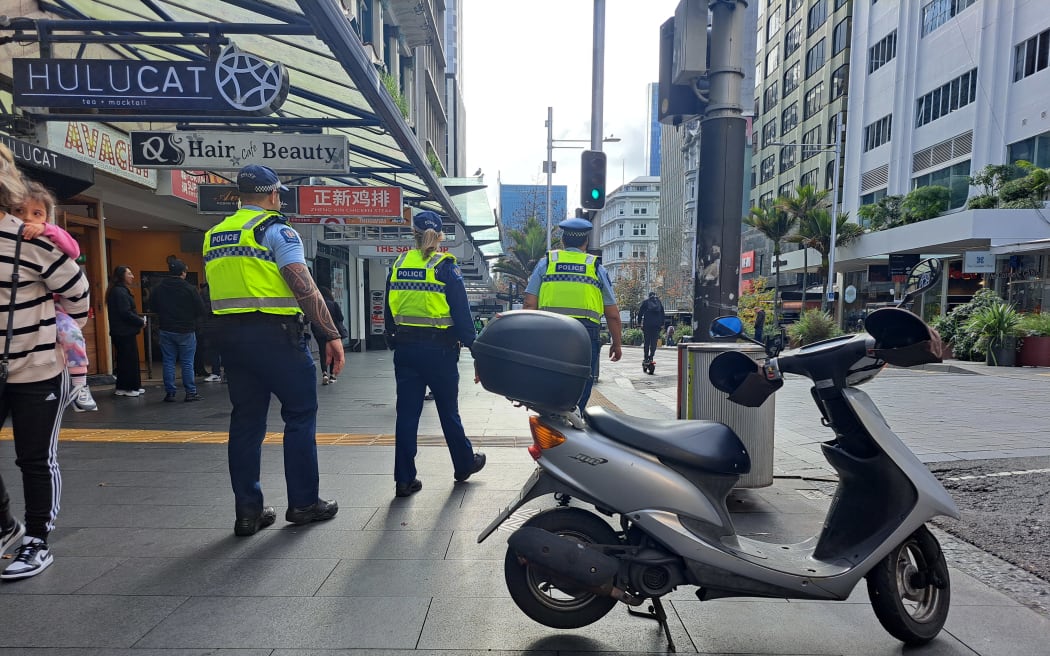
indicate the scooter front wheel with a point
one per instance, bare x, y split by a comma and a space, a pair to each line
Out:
554, 603
910, 591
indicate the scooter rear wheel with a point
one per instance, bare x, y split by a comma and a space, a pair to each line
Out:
910, 591
553, 603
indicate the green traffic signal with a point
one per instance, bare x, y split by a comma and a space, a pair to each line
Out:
596, 194
592, 179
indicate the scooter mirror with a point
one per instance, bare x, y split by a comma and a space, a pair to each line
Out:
922, 276
727, 327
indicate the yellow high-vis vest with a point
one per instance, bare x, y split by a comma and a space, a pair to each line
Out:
242, 273
571, 286
417, 297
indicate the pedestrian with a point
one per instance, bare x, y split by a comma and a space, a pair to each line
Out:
428, 321
327, 375
208, 335
33, 378
478, 325
651, 320
670, 335
570, 281
760, 326
262, 295
124, 326
178, 307
37, 211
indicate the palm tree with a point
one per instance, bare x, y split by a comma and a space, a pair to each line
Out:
815, 233
776, 225
801, 207
528, 246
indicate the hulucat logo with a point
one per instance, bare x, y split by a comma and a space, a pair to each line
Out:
248, 83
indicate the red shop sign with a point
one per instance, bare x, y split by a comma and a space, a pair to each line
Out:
350, 201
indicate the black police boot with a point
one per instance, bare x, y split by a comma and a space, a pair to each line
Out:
318, 512
245, 526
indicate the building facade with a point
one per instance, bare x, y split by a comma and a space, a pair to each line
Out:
652, 133
629, 231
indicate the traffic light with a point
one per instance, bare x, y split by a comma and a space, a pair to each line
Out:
592, 180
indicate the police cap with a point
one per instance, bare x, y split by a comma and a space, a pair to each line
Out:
427, 220
575, 227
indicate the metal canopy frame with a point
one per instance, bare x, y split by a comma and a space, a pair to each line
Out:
335, 87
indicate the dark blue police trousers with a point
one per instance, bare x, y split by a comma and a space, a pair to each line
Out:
418, 365
263, 358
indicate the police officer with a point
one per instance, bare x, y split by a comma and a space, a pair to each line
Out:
427, 320
260, 290
571, 282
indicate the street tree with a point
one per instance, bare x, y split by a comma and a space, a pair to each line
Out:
630, 287
801, 206
527, 246
777, 225
815, 232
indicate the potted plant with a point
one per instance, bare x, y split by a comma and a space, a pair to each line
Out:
996, 327
813, 326
1035, 340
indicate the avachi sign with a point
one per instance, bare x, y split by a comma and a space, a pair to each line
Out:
218, 151
235, 83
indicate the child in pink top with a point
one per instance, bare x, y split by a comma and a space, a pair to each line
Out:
36, 211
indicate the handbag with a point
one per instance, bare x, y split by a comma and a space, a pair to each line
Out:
11, 310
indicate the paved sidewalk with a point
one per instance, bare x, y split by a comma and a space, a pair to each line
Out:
146, 562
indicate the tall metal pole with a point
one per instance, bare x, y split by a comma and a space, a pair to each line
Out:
549, 167
597, 91
721, 179
828, 298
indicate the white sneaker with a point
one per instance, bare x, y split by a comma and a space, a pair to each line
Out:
212, 378
11, 536
127, 392
83, 401
33, 557
325, 379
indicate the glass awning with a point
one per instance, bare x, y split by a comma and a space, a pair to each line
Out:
331, 76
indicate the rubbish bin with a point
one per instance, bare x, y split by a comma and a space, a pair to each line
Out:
698, 399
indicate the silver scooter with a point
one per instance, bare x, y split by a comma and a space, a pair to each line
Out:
665, 484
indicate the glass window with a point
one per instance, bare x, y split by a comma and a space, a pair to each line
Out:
955, 177
815, 58
766, 199
840, 38
639, 230
946, 98
809, 178
810, 141
785, 190
772, 24
818, 13
792, 7
877, 133
787, 158
769, 132
792, 39
882, 52
770, 97
840, 81
1032, 56
814, 101
769, 168
789, 118
1034, 149
792, 76
938, 12
772, 58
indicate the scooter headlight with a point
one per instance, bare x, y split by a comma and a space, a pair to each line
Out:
543, 435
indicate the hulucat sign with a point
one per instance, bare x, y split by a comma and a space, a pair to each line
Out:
227, 151
234, 83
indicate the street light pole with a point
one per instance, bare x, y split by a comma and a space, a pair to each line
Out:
835, 211
549, 167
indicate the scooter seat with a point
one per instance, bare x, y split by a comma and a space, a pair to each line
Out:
705, 445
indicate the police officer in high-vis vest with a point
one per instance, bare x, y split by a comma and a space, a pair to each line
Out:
427, 321
260, 291
571, 282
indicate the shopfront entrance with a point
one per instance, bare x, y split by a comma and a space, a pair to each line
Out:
88, 235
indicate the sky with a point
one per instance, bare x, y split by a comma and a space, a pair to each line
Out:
520, 57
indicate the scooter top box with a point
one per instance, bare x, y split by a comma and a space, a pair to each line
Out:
538, 358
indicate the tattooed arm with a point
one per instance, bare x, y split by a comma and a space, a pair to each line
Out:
310, 300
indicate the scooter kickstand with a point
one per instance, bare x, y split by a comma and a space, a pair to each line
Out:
656, 612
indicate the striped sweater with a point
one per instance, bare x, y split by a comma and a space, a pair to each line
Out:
44, 270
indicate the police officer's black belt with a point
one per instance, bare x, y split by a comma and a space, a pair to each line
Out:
416, 334
261, 318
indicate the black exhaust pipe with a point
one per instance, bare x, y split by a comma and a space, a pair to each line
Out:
567, 559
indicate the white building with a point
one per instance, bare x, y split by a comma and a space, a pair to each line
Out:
628, 229
946, 88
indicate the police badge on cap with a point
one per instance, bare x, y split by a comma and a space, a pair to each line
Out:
427, 220
256, 179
